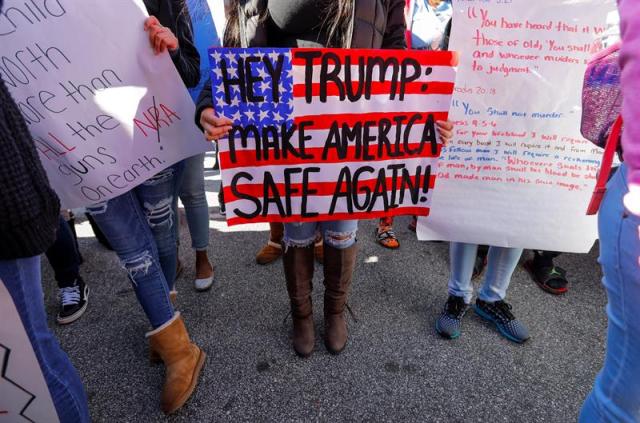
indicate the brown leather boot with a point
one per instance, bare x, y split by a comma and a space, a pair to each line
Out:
338, 271
183, 361
298, 271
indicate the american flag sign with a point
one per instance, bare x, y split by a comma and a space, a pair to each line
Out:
329, 134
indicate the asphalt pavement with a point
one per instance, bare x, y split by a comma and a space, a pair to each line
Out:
394, 369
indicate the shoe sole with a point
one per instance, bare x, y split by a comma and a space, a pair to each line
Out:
75, 316
446, 335
335, 352
504, 333
194, 382
205, 289
265, 262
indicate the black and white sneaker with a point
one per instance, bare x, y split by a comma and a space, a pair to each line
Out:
73, 302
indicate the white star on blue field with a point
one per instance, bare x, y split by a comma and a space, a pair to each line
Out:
258, 114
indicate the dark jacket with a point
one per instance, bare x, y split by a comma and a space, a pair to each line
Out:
29, 208
174, 14
374, 24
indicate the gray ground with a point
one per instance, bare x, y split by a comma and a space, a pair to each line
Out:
395, 367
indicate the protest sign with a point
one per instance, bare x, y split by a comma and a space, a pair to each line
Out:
322, 134
517, 172
105, 112
24, 395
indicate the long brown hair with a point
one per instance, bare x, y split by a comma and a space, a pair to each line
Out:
338, 18
337, 23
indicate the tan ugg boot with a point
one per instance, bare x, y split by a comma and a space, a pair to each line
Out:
298, 271
338, 271
318, 250
273, 250
183, 361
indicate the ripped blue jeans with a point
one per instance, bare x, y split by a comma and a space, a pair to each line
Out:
139, 227
340, 234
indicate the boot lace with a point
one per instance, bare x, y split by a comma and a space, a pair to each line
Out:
455, 307
70, 296
502, 311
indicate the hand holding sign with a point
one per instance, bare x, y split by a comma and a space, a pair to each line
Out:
161, 37
214, 127
445, 129
327, 134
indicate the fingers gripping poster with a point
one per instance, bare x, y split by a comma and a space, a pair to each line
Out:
322, 134
517, 172
105, 112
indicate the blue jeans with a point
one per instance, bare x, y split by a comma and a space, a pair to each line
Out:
193, 198
501, 264
23, 281
616, 393
340, 234
139, 227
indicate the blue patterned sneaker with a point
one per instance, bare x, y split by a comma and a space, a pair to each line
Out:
499, 313
450, 320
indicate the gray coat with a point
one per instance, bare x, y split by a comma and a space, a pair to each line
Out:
374, 24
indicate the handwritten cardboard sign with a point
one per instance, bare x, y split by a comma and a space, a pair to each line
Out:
24, 395
518, 173
105, 112
322, 134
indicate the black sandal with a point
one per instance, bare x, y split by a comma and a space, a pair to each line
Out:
551, 279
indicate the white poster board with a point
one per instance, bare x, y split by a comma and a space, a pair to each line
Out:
517, 172
24, 395
105, 112
218, 14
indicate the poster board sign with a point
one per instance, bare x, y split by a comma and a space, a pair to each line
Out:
326, 134
24, 395
105, 112
517, 172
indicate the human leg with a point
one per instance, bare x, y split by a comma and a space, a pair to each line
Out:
500, 267
23, 281
462, 258
118, 219
549, 277
490, 304
461, 261
385, 235
298, 264
192, 195
156, 196
270, 252
614, 397
340, 252
65, 259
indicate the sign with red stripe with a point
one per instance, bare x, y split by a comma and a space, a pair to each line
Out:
329, 134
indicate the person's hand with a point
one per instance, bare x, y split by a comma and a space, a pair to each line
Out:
161, 37
445, 129
214, 127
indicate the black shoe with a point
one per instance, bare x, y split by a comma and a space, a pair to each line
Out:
499, 313
450, 320
73, 302
223, 209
